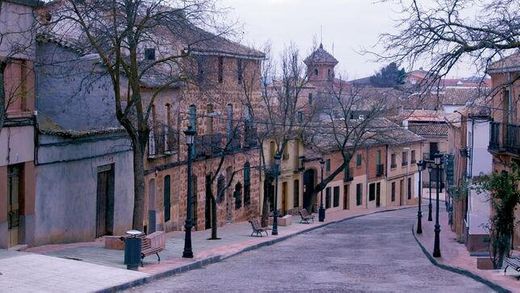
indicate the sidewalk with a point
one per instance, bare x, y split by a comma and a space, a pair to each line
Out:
454, 255
87, 267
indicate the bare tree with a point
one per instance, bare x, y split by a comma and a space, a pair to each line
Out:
446, 32
351, 117
138, 42
279, 113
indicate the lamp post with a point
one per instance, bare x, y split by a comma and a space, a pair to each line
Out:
275, 212
188, 252
430, 190
436, 246
420, 165
321, 212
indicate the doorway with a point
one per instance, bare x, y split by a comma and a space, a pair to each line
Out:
284, 198
378, 194
194, 200
15, 204
308, 190
105, 201
346, 197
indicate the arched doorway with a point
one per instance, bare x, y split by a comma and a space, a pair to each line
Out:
309, 179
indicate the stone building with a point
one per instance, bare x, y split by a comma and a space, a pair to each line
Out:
17, 170
504, 144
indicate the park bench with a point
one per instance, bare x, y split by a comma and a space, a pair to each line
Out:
306, 217
257, 228
152, 244
513, 262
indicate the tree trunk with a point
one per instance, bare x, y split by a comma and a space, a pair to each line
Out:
138, 214
3, 107
214, 219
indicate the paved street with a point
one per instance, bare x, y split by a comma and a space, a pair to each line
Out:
371, 253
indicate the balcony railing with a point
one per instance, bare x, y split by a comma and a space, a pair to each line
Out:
380, 170
504, 138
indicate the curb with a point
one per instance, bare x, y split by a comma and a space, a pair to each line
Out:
457, 270
214, 259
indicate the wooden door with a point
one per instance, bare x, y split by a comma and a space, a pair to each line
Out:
15, 203
105, 201
284, 198
378, 194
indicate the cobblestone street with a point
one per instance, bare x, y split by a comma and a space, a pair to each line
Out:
371, 253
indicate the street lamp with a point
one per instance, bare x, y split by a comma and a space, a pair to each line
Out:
188, 252
436, 247
321, 212
430, 167
421, 165
276, 173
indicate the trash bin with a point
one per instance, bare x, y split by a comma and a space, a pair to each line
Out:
132, 249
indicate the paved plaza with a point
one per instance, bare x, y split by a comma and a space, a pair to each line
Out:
371, 253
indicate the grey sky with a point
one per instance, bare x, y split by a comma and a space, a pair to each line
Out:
350, 25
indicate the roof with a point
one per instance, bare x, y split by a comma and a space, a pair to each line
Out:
31, 3
320, 56
176, 34
507, 64
48, 126
429, 129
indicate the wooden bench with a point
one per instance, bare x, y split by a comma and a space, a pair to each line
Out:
152, 244
306, 217
513, 262
257, 228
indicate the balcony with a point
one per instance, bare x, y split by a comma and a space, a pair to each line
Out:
208, 145
504, 138
380, 170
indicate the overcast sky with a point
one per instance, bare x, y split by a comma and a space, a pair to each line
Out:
349, 25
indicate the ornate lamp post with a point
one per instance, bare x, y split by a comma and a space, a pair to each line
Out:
321, 212
275, 212
421, 165
430, 167
188, 253
436, 247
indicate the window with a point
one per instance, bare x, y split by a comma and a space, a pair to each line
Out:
240, 74
316, 71
358, 160
409, 190
229, 122
393, 162
378, 157
330, 74
220, 188
413, 160
201, 65
327, 165
335, 202
193, 123
359, 194
167, 202
220, 69
300, 116
285, 155
296, 193
393, 191
149, 54
372, 192
327, 198
310, 99
404, 160
237, 194
247, 184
